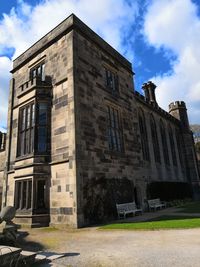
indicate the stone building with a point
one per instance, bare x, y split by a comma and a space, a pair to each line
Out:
81, 139
197, 147
2, 162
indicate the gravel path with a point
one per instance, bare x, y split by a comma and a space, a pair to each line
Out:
100, 248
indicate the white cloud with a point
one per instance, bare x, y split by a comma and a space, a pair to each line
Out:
175, 25
26, 24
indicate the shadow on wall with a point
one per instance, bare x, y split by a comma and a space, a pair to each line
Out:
169, 190
101, 196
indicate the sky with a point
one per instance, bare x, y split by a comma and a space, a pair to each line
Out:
159, 37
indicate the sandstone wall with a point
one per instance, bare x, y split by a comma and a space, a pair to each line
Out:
60, 168
2, 167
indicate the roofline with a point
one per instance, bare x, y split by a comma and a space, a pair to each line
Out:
67, 25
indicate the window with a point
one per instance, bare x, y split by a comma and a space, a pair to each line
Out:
111, 81
179, 141
42, 128
164, 143
143, 134
114, 130
41, 194
172, 145
23, 194
26, 129
38, 71
154, 135
33, 129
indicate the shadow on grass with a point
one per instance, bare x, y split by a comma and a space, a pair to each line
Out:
27, 244
171, 217
192, 207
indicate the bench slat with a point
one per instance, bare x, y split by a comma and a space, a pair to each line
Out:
126, 208
155, 203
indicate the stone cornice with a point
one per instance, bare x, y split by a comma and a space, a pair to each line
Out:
69, 24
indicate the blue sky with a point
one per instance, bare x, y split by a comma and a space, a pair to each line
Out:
160, 38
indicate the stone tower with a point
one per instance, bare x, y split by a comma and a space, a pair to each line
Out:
179, 111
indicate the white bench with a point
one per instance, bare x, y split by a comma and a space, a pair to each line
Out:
156, 204
126, 208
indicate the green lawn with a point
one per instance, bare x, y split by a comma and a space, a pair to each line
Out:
165, 221
173, 217
169, 223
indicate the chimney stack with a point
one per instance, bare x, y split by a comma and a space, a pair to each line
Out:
149, 92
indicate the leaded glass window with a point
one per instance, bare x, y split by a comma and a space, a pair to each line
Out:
114, 130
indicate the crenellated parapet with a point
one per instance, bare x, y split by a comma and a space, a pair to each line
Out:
155, 107
178, 110
176, 105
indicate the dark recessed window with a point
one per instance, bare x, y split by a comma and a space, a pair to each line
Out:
42, 127
26, 129
41, 194
111, 81
179, 141
114, 130
164, 143
33, 129
23, 194
156, 147
144, 137
172, 144
38, 71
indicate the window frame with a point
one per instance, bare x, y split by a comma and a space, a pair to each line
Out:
26, 130
155, 141
39, 125
45, 206
179, 147
111, 80
34, 125
40, 67
143, 135
164, 143
172, 145
114, 129
23, 198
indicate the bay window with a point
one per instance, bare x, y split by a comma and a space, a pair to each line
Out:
33, 130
